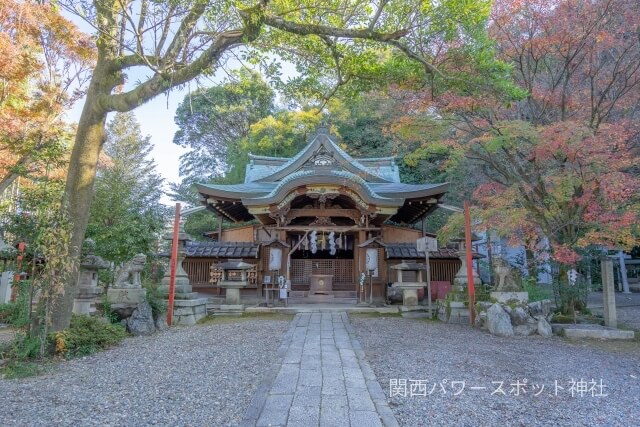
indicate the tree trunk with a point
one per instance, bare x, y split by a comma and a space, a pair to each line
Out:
88, 143
7, 180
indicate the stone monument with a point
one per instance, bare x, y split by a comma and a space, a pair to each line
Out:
509, 287
88, 290
127, 289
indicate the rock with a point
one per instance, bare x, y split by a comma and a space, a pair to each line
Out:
498, 321
141, 320
161, 322
540, 308
506, 308
519, 316
478, 320
483, 305
525, 330
544, 328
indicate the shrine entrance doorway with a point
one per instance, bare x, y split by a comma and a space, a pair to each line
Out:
323, 272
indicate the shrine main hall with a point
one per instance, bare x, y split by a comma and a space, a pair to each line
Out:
319, 219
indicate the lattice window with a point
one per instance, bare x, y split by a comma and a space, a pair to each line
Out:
341, 269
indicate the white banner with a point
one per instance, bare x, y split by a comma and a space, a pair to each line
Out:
275, 259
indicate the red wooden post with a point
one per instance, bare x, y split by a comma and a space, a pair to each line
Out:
470, 285
16, 277
174, 261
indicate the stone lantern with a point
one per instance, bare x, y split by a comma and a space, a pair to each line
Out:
409, 288
187, 307
460, 281
88, 290
234, 277
182, 284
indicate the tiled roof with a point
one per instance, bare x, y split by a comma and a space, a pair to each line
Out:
409, 251
221, 250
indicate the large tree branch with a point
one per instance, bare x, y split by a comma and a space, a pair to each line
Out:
161, 82
324, 30
183, 32
428, 67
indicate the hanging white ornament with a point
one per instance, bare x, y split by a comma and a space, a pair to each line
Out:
332, 244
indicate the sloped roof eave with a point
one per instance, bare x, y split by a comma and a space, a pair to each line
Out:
307, 152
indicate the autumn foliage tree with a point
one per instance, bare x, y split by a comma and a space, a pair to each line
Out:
42, 59
559, 161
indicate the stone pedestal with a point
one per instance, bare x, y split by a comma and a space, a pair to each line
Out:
409, 292
182, 284
88, 290
132, 296
513, 297
454, 312
232, 291
188, 312
5, 286
460, 282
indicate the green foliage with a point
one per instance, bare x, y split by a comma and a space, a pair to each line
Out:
15, 369
25, 346
212, 122
199, 223
107, 312
126, 216
537, 291
86, 335
155, 299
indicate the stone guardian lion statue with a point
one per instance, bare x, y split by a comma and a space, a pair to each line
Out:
128, 276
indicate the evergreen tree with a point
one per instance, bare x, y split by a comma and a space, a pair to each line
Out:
126, 214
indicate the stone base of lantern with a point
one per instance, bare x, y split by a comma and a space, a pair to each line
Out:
187, 312
453, 312
409, 292
85, 300
232, 291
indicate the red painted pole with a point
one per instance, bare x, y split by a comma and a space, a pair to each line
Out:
174, 261
470, 285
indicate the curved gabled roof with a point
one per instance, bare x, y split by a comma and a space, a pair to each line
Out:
273, 169
270, 180
336, 177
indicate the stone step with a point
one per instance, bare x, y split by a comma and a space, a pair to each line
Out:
335, 294
316, 299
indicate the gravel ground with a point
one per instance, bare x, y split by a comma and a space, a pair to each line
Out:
439, 353
197, 376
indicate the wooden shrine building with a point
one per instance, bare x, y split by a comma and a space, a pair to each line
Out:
317, 215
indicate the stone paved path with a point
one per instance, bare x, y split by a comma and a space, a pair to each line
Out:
322, 379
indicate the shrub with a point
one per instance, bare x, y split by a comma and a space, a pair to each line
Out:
7, 311
537, 292
155, 299
107, 312
86, 335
